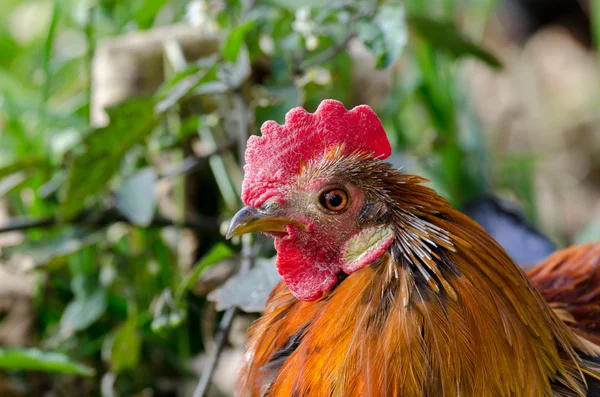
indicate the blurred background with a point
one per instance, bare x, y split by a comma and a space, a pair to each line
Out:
122, 126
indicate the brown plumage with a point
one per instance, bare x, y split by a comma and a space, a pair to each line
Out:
570, 281
437, 309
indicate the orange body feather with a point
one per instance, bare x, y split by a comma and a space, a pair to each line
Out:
481, 328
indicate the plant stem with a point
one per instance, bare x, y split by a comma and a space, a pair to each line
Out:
108, 217
222, 333
248, 259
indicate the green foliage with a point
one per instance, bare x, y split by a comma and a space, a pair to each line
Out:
294, 5
90, 171
125, 349
36, 360
234, 41
59, 247
515, 173
83, 311
595, 8
444, 36
200, 76
248, 291
145, 14
385, 35
136, 200
217, 253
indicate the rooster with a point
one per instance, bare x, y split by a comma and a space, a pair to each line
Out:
386, 289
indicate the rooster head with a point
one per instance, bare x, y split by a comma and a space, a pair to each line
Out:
312, 185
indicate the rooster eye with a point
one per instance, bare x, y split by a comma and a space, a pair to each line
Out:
334, 200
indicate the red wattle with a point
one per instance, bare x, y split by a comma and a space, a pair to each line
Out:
307, 274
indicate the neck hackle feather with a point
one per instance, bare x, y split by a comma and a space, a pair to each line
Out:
443, 312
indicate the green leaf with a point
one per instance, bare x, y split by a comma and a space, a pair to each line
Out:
136, 199
216, 254
234, 74
185, 82
233, 44
126, 346
294, 4
90, 171
15, 174
83, 312
369, 32
43, 251
211, 88
167, 313
595, 13
516, 173
146, 12
37, 360
248, 291
26, 163
283, 98
385, 35
203, 65
444, 36
339, 88
8, 46
47, 49
11, 182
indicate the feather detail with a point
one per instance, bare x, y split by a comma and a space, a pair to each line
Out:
444, 312
570, 281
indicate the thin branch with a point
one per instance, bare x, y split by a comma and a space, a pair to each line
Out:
220, 339
108, 217
199, 223
89, 49
326, 55
18, 224
248, 259
334, 50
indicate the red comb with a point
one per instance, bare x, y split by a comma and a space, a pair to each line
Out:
274, 158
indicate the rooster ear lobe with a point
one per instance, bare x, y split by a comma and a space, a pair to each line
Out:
365, 247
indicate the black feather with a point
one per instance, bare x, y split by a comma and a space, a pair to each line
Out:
270, 370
